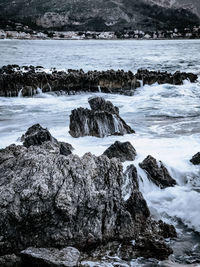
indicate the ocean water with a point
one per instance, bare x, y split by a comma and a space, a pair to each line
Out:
166, 119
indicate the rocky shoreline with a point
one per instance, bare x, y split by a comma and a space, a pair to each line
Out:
59, 209
29, 80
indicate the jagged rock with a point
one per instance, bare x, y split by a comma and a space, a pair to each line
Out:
167, 230
10, 261
196, 159
25, 80
157, 172
99, 103
36, 135
123, 151
99, 123
48, 200
50, 257
151, 77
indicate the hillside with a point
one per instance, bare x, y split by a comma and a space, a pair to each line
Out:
101, 15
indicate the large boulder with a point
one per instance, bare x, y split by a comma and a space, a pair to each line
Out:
157, 172
50, 257
196, 159
36, 135
103, 120
123, 151
50, 200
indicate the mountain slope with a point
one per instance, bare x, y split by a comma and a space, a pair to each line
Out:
101, 14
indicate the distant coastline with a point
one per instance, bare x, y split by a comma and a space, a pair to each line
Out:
29, 34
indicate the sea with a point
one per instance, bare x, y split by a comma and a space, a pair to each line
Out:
166, 119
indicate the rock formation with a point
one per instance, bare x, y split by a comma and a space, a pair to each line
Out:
157, 172
36, 135
102, 120
52, 257
25, 81
123, 151
196, 159
49, 200
151, 77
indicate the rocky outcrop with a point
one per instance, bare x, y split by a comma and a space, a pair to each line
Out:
151, 77
157, 172
36, 135
196, 159
25, 81
50, 257
10, 261
123, 151
49, 200
102, 120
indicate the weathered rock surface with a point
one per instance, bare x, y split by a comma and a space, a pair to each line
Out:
157, 172
15, 80
10, 261
26, 80
50, 257
100, 104
36, 135
123, 151
196, 159
102, 120
50, 200
151, 77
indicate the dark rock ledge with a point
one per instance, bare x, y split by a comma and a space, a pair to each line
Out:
15, 80
50, 202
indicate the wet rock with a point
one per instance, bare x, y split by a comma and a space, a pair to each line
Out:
50, 257
167, 230
123, 151
99, 123
26, 80
157, 172
49, 200
151, 77
148, 248
36, 135
99, 103
65, 148
196, 159
10, 261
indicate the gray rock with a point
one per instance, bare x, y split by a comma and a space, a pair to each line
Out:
10, 261
36, 135
50, 200
50, 257
157, 172
123, 151
99, 123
